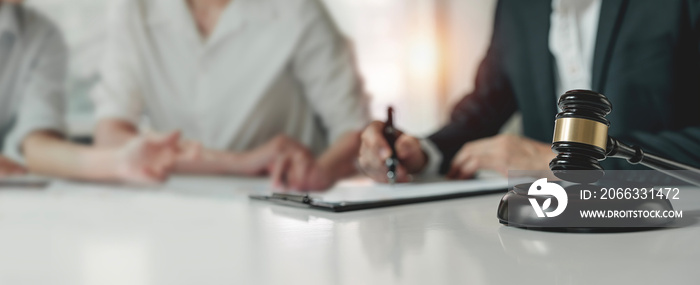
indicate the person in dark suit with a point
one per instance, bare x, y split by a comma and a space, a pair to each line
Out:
644, 55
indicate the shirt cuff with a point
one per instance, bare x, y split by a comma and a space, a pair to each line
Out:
434, 158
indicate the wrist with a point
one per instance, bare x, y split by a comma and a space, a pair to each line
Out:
323, 176
328, 170
208, 161
424, 161
232, 162
100, 165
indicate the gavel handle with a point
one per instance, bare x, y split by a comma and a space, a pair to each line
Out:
635, 155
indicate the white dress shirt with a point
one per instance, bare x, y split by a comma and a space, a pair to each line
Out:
33, 62
572, 37
270, 67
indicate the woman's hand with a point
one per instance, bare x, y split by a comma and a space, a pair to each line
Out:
297, 170
500, 153
375, 150
10, 168
262, 160
194, 158
147, 159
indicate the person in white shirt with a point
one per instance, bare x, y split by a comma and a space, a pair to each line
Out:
256, 86
32, 70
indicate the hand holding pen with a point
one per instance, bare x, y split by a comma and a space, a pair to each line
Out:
383, 145
390, 135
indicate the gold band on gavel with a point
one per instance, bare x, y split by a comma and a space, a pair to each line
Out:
581, 131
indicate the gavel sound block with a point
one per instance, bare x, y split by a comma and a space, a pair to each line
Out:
581, 141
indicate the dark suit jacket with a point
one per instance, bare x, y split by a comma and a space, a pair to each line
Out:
647, 62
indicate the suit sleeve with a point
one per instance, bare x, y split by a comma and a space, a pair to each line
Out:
483, 112
681, 141
679, 145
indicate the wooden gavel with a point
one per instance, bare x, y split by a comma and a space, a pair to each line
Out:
581, 141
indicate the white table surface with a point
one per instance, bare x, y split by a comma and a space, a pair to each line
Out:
205, 230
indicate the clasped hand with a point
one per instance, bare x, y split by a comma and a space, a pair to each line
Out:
294, 167
290, 164
151, 158
10, 168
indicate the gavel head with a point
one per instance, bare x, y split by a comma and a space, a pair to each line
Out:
580, 136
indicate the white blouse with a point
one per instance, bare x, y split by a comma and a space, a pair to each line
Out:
33, 64
270, 67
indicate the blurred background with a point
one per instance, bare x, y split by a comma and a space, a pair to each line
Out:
417, 55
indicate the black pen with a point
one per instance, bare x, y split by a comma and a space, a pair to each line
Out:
390, 134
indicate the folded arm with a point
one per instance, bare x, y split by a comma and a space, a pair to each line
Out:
47, 153
142, 160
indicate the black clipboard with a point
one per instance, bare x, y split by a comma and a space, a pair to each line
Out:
308, 202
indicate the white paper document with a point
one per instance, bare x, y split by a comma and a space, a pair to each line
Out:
365, 190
